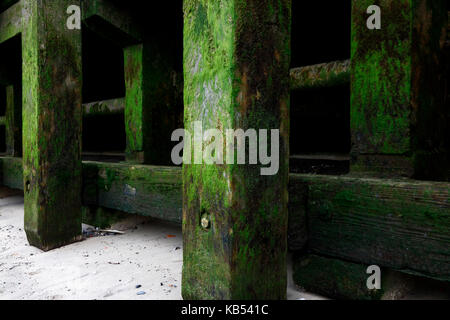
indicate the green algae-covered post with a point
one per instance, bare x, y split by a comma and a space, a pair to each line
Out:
398, 117
13, 121
134, 100
236, 69
51, 124
151, 106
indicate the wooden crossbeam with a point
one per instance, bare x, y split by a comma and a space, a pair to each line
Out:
229, 209
393, 223
11, 172
104, 107
144, 190
322, 75
11, 22
340, 279
106, 19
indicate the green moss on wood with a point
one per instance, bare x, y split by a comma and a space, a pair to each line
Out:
143, 190
13, 121
397, 93
106, 107
101, 217
52, 124
334, 278
322, 75
236, 71
10, 20
11, 172
111, 21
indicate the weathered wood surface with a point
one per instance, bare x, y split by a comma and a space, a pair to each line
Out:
341, 279
393, 223
11, 171
397, 87
333, 278
52, 118
234, 218
322, 75
10, 20
108, 20
104, 107
137, 107
13, 121
144, 190
153, 104
401, 224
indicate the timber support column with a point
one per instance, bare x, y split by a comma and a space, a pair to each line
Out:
399, 120
51, 124
13, 121
236, 68
150, 103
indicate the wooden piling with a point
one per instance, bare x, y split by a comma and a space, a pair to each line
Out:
236, 62
51, 124
152, 108
13, 121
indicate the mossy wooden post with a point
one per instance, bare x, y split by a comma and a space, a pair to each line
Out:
134, 103
51, 124
398, 117
151, 104
236, 67
13, 121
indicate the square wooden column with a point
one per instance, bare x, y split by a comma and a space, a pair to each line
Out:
151, 105
236, 69
399, 119
13, 121
51, 124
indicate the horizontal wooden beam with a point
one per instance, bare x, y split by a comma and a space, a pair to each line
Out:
106, 19
400, 224
104, 107
321, 75
137, 189
11, 22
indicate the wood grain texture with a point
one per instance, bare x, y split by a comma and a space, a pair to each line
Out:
401, 224
320, 75
144, 190
10, 20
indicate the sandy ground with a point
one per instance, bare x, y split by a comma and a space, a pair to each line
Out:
144, 263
